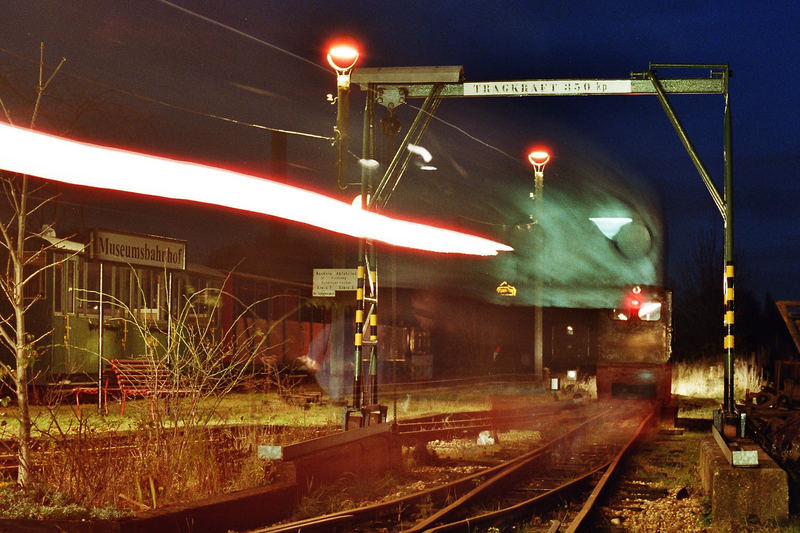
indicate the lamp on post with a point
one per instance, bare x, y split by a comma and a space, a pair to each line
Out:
342, 57
538, 158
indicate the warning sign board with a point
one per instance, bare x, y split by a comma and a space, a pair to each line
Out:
329, 280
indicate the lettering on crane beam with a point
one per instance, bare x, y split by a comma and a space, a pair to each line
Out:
329, 280
546, 87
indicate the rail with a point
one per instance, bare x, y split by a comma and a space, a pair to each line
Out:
505, 485
600, 462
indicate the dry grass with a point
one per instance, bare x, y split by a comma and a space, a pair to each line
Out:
704, 378
159, 463
151, 469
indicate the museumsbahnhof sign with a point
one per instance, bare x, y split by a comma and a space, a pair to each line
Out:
138, 249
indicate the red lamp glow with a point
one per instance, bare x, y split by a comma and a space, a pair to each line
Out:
342, 57
538, 158
63, 160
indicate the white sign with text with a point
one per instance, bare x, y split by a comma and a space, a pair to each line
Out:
329, 280
139, 250
546, 87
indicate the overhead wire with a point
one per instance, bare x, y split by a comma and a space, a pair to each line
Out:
170, 105
469, 135
239, 122
215, 116
321, 67
241, 33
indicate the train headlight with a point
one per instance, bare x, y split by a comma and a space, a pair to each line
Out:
650, 311
572, 374
638, 305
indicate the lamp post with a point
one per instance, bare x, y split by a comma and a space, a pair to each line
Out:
342, 57
538, 158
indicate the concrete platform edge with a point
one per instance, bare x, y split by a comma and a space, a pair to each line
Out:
743, 494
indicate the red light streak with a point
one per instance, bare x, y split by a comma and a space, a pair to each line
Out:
63, 160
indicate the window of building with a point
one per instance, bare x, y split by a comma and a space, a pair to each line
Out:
65, 283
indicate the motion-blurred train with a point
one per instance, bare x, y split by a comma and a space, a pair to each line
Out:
627, 348
635, 345
84, 302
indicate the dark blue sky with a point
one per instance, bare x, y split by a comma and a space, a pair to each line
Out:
276, 77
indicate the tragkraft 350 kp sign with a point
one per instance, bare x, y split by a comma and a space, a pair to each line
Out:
140, 250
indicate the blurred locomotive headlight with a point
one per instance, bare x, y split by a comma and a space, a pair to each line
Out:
572, 374
650, 311
554, 385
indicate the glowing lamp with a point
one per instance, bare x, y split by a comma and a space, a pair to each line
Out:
342, 57
639, 305
369, 164
634, 299
538, 158
421, 151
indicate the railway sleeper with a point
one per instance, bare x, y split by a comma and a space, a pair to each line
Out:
642, 492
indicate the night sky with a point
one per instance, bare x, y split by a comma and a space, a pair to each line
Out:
147, 75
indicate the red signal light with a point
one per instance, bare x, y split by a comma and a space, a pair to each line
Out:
633, 300
539, 157
640, 305
343, 54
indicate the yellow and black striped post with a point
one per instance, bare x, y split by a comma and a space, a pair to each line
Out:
373, 340
359, 326
728, 340
729, 405
366, 323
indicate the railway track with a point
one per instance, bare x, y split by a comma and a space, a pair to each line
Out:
118, 443
531, 487
446, 426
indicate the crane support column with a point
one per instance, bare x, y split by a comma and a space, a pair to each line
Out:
728, 405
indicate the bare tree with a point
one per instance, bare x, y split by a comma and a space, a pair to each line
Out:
699, 303
25, 263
